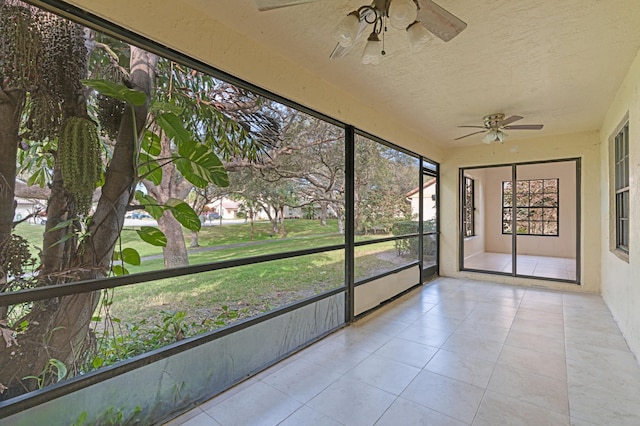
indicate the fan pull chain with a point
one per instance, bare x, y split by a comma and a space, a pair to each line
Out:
383, 52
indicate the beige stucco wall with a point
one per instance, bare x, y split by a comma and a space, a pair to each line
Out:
195, 34
580, 145
621, 279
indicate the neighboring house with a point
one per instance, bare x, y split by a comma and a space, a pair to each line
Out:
293, 212
30, 199
226, 208
429, 200
25, 207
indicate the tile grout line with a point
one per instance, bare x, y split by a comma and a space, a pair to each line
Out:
484, 393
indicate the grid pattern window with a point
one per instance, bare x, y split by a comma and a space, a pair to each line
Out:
622, 189
469, 207
536, 207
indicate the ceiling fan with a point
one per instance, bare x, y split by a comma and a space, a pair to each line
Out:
494, 124
414, 16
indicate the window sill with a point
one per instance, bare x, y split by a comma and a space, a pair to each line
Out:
532, 235
620, 254
473, 237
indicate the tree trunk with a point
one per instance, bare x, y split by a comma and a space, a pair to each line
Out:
56, 256
171, 186
11, 104
175, 252
194, 239
59, 328
252, 227
274, 223
323, 213
282, 221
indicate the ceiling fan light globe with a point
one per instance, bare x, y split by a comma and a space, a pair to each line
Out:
402, 13
372, 51
418, 37
347, 30
490, 137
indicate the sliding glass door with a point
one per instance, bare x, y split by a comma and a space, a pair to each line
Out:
545, 202
521, 219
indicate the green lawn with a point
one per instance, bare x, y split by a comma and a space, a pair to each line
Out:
245, 291
211, 235
33, 234
253, 288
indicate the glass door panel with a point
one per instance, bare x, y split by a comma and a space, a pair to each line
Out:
546, 217
486, 219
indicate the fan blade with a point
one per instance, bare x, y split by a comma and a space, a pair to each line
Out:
438, 21
263, 5
470, 134
339, 51
524, 127
474, 127
510, 120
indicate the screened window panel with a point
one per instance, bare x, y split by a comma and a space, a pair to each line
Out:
536, 207
621, 173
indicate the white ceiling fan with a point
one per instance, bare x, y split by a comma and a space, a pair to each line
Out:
494, 124
417, 17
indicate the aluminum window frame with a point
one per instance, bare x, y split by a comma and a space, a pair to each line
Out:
528, 206
622, 189
469, 207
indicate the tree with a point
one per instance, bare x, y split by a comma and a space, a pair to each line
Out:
308, 162
258, 192
224, 118
383, 177
72, 100
319, 167
48, 107
250, 208
198, 200
58, 329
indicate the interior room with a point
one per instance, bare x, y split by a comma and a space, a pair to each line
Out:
522, 122
546, 240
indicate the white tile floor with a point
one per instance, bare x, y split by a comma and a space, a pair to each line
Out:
455, 352
537, 266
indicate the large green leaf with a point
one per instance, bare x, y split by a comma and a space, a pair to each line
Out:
40, 177
117, 91
200, 166
153, 236
149, 169
60, 367
184, 214
150, 204
151, 143
131, 256
119, 270
173, 127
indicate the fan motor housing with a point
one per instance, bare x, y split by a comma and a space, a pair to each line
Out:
492, 121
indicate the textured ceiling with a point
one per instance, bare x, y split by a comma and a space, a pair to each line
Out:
554, 62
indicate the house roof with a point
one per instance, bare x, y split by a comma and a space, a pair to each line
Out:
31, 192
424, 186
